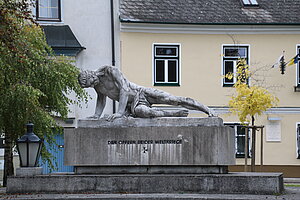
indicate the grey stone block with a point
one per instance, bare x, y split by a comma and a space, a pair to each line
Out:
152, 170
151, 146
29, 171
151, 122
232, 183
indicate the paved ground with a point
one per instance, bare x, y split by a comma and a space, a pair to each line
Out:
292, 192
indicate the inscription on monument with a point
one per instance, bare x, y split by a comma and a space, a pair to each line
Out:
115, 142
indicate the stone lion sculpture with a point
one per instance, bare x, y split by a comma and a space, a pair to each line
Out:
133, 99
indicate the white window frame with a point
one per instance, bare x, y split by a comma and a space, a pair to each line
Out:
236, 124
48, 19
250, 2
166, 58
298, 67
234, 71
233, 58
297, 146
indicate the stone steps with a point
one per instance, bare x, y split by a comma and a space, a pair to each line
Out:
231, 183
291, 195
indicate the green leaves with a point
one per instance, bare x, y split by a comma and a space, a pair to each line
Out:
34, 84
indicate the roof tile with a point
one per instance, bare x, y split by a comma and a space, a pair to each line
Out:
210, 12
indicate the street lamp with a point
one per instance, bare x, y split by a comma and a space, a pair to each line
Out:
29, 147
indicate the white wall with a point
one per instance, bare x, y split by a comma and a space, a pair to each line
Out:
90, 21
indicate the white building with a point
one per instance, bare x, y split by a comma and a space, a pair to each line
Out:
86, 30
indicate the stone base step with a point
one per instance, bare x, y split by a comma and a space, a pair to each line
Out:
232, 183
149, 196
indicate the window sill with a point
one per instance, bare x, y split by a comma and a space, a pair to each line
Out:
297, 88
48, 19
241, 156
166, 84
44, 21
228, 85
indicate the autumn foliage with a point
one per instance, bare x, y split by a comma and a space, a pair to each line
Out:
249, 101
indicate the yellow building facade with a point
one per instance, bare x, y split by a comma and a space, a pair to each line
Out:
200, 55
186, 48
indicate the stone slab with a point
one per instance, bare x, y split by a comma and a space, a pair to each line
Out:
291, 194
232, 183
152, 170
150, 146
151, 122
29, 171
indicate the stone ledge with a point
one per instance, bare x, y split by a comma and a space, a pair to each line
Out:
232, 183
29, 171
151, 122
151, 169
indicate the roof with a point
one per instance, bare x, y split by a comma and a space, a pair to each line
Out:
62, 40
210, 12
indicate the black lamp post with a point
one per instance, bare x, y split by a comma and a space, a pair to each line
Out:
282, 64
29, 147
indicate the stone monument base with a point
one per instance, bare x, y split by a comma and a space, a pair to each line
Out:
231, 183
160, 155
154, 146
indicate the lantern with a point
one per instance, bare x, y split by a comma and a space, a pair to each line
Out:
29, 147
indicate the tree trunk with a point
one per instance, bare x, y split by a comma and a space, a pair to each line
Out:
253, 145
8, 159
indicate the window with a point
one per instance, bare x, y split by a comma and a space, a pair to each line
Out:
298, 141
298, 66
240, 134
249, 2
231, 55
166, 64
48, 10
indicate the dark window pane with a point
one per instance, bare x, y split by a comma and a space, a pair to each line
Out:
163, 51
240, 139
298, 72
160, 70
241, 130
231, 52
240, 144
172, 74
236, 52
228, 69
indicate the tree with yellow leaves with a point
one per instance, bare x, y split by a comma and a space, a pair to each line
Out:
249, 101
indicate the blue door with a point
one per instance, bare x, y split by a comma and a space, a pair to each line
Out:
58, 157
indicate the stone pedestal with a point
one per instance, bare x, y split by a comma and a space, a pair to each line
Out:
159, 145
162, 155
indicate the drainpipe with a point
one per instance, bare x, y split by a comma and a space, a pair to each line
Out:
113, 56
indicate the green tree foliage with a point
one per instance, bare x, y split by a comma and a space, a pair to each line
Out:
34, 84
249, 101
